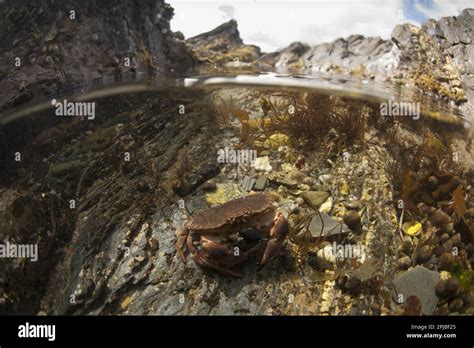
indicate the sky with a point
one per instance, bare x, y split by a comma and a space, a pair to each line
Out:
274, 24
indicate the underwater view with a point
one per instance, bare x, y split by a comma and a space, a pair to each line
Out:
149, 171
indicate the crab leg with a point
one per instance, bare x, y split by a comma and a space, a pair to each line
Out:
278, 233
181, 244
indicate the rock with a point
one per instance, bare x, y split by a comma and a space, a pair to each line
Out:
209, 186
456, 305
326, 206
315, 198
440, 219
404, 263
444, 237
248, 184
327, 227
407, 246
456, 239
353, 285
446, 262
261, 183
420, 282
433, 182
163, 51
300, 202
262, 164
451, 287
352, 205
424, 254
440, 289
352, 220
223, 46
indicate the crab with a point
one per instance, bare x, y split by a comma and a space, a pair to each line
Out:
208, 235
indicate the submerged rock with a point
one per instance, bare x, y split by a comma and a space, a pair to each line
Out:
421, 283
315, 198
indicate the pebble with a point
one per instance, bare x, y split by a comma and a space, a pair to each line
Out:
424, 254
433, 182
446, 261
299, 201
209, 186
404, 263
440, 218
352, 220
407, 246
456, 305
352, 205
452, 287
444, 237
441, 289
261, 183
315, 198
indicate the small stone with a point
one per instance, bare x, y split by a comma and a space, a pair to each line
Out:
433, 182
261, 183
352, 220
452, 286
299, 201
444, 237
446, 261
352, 205
456, 239
326, 206
404, 263
443, 310
315, 198
456, 305
262, 164
470, 248
424, 254
448, 228
209, 186
441, 289
438, 250
407, 246
353, 285
440, 218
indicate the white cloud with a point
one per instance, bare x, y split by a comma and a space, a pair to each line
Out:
274, 24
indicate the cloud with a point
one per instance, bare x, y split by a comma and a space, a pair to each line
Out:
274, 24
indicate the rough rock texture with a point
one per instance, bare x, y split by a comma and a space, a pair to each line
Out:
354, 54
223, 46
58, 52
439, 56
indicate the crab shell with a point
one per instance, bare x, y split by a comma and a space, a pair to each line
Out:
233, 212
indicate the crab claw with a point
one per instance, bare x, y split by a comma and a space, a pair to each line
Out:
278, 233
